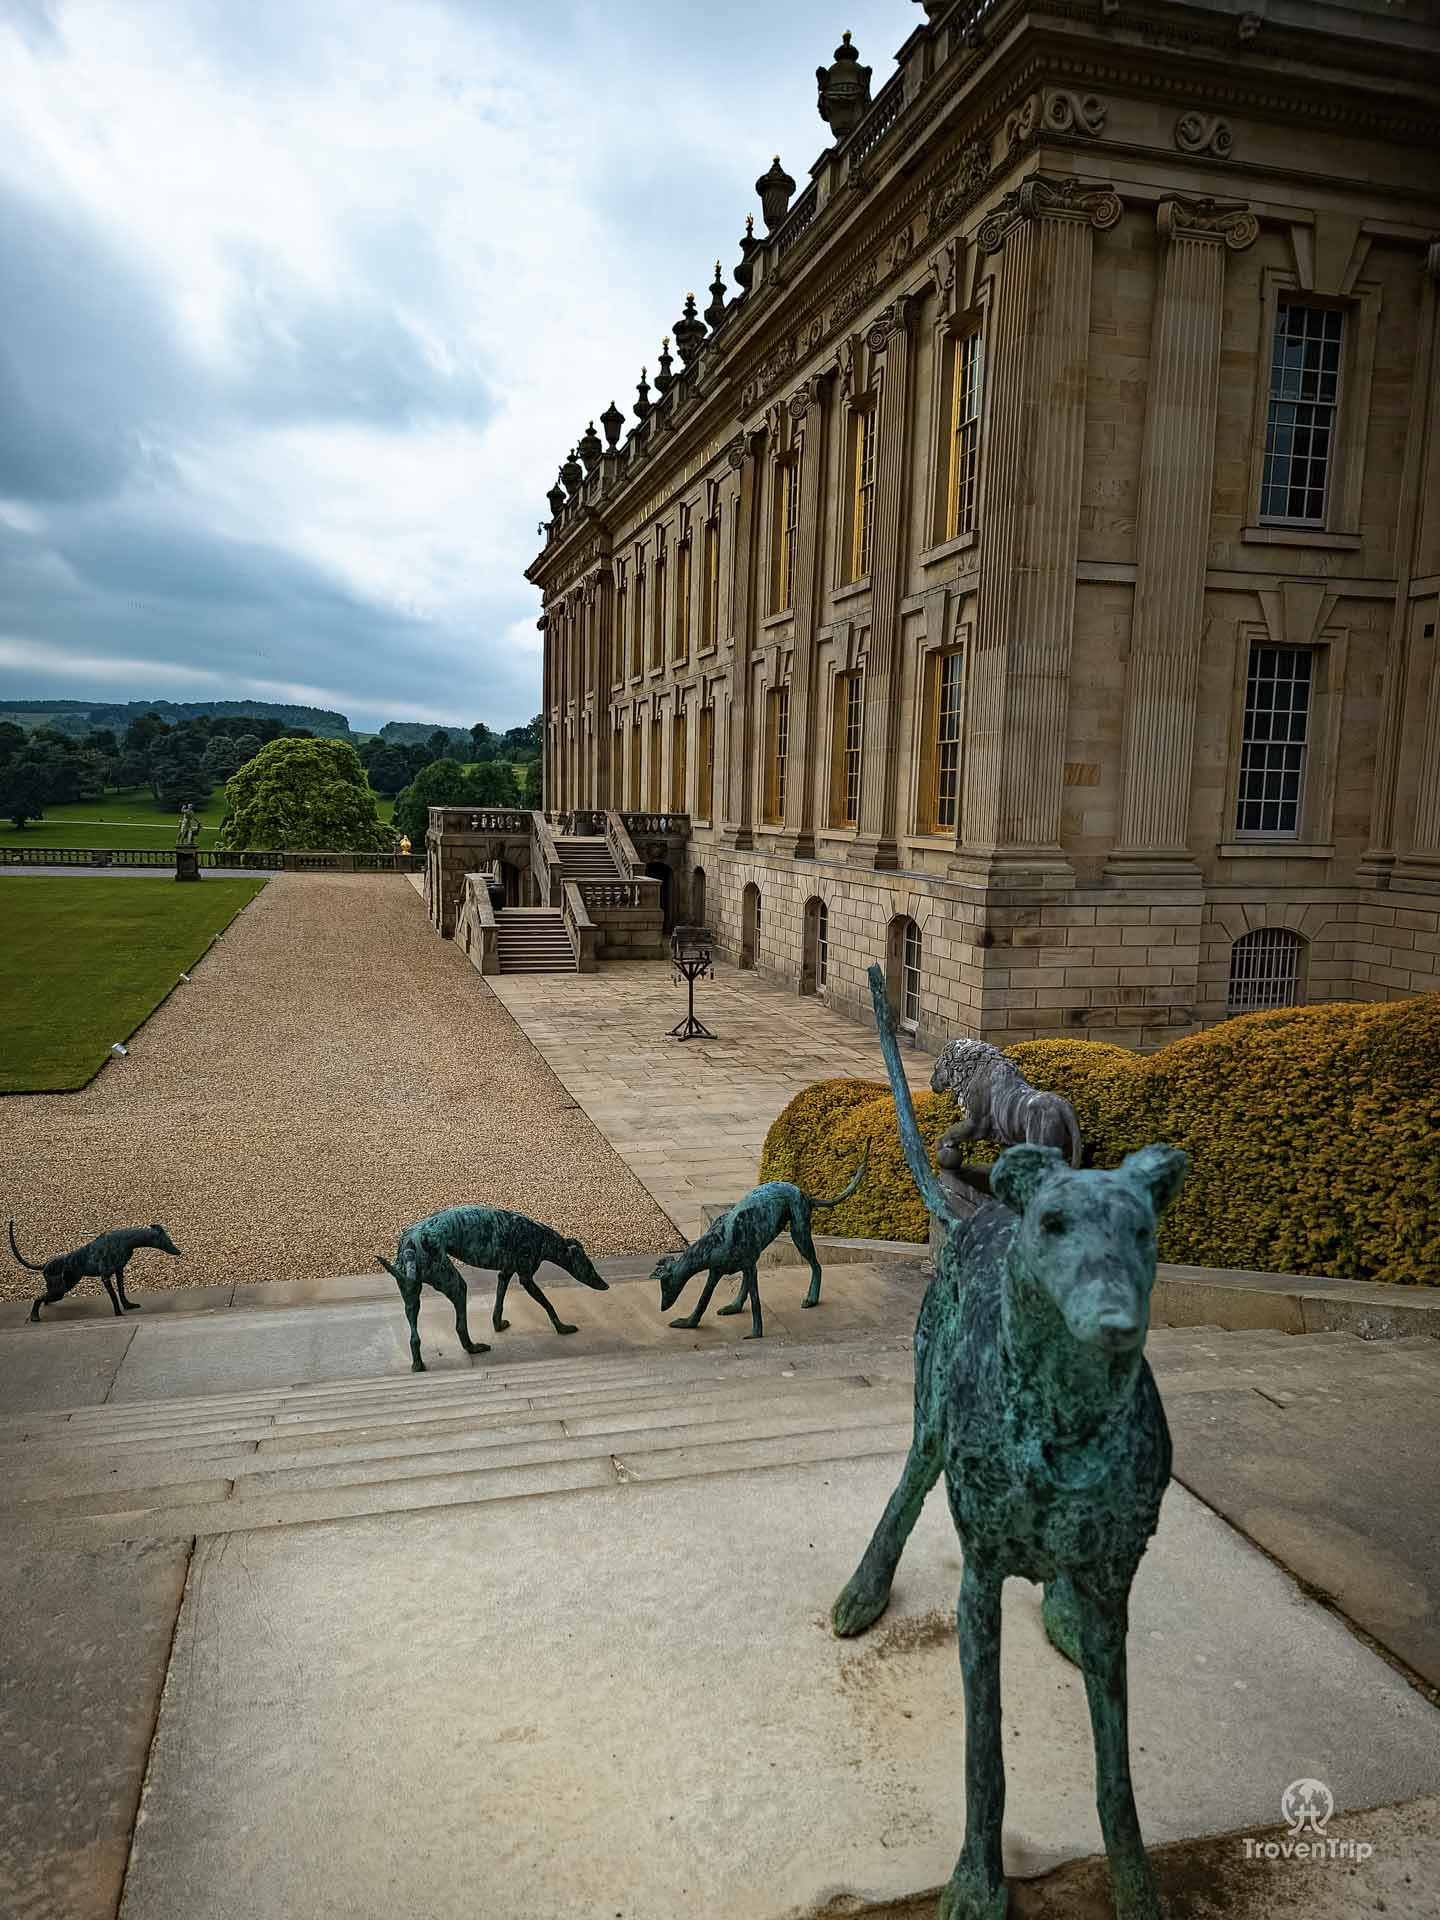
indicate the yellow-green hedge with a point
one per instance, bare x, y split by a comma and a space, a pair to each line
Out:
819, 1138
1313, 1135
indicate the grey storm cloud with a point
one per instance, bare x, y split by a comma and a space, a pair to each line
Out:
304, 303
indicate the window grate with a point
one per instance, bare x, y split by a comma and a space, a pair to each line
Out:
910, 977
822, 945
1264, 970
1300, 427
1275, 742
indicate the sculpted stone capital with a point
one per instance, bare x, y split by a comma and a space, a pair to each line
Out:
735, 452
896, 318
1227, 221
1044, 196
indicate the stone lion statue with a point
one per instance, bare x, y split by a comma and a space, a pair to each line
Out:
1000, 1105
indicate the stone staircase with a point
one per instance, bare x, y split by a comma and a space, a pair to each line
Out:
533, 940
191, 1467
586, 857
357, 1602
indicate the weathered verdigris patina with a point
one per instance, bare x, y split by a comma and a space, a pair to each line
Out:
1033, 1396
735, 1242
511, 1243
104, 1258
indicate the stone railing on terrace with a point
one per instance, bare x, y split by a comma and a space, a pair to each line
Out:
670, 826
265, 861
584, 934
618, 893
475, 928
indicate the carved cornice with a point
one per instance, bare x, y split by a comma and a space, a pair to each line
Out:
1204, 133
1050, 197
1230, 221
1056, 110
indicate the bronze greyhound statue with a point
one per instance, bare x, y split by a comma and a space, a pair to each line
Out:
512, 1244
735, 1242
1033, 1396
104, 1258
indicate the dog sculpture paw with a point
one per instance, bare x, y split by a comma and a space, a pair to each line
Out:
860, 1605
964, 1898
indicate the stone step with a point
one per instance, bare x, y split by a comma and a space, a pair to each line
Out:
218, 1510
148, 1482
392, 1419
496, 1373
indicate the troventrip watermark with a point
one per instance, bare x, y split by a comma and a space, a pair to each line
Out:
1307, 1807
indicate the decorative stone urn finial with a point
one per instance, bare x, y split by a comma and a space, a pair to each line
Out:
745, 273
612, 420
642, 399
774, 189
589, 449
689, 331
572, 473
556, 497
715, 312
664, 378
844, 90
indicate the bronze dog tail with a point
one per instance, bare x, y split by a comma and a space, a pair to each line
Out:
859, 1176
389, 1269
917, 1156
20, 1256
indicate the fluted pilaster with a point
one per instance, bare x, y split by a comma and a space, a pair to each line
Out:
1029, 527
739, 816
807, 409
875, 843
1172, 536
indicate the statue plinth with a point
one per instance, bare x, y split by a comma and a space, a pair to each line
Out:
187, 863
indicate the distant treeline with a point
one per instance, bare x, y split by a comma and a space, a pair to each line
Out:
79, 717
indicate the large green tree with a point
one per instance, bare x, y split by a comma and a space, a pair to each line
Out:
303, 794
24, 787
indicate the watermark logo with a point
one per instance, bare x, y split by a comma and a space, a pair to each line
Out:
1307, 1808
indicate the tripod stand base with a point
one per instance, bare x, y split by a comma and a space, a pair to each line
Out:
691, 1029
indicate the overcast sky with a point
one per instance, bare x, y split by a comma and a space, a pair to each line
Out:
302, 302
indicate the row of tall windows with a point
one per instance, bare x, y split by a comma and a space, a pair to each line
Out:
646, 782
632, 603
1270, 794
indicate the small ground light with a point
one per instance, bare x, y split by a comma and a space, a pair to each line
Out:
115, 1047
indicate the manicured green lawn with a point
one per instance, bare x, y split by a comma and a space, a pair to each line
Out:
84, 961
129, 819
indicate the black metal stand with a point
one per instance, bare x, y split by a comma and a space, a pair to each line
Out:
690, 1028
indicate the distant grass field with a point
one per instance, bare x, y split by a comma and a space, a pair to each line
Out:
83, 962
129, 819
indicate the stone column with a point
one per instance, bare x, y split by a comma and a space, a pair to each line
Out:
1029, 529
1172, 540
738, 825
1417, 550
603, 617
548, 704
807, 409
875, 844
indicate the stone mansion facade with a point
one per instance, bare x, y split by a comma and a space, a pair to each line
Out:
1030, 578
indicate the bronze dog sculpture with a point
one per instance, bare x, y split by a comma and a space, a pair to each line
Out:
104, 1258
511, 1243
735, 1242
1033, 1396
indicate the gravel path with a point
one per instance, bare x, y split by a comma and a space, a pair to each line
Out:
333, 1072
